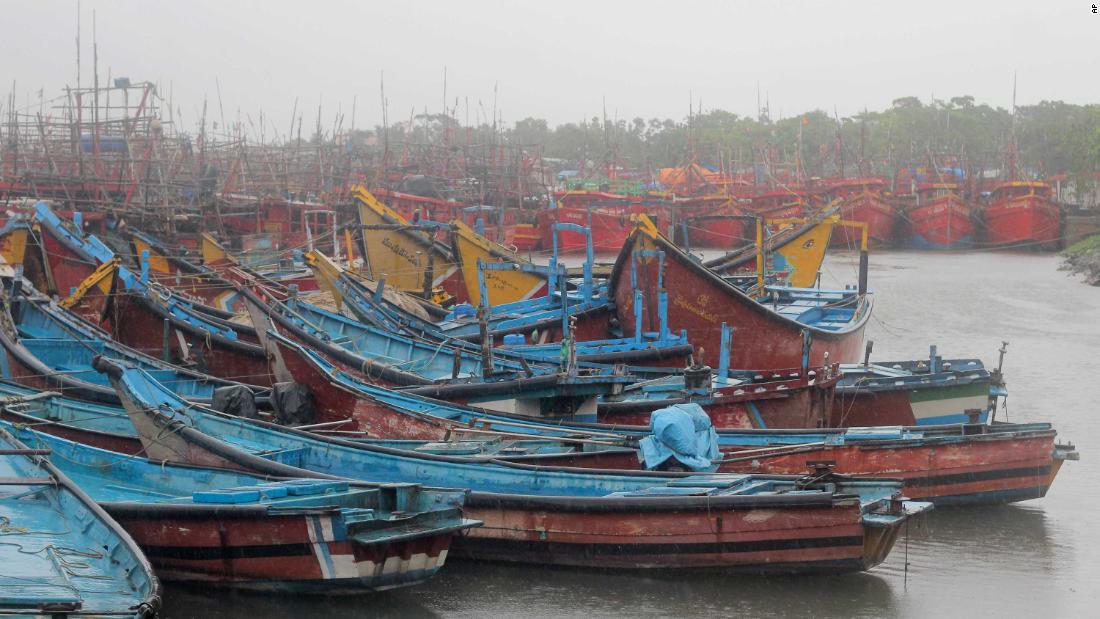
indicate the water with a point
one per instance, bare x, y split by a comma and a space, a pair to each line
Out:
1029, 559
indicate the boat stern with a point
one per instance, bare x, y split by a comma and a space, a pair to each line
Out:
882, 523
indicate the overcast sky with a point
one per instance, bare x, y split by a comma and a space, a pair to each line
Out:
558, 59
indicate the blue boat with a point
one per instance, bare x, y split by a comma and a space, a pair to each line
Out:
257, 532
62, 554
46, 348
953, 463
107, 427
543, 319
545, 515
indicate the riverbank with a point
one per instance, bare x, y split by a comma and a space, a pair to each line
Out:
1083, 258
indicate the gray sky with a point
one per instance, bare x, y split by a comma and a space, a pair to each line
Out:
560, 59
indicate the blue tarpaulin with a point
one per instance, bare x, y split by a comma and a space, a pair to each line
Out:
683, 432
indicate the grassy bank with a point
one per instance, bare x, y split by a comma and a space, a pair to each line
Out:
1083, 258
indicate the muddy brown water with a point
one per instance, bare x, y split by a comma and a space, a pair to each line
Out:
1032, 559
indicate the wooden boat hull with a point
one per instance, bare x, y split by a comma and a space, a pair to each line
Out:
796, 251
574, 521
909, 406
983, 469
978, 468
999, 464
526, 237
409, 260
792, 403
55, 352
261, 551
186, 278
945, 222
1031, 222
502, 286
810, 539
610, 226
289, 536
869, 208
139, 322
700, 301
717, 232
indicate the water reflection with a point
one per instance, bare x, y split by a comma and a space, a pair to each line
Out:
479, 589
195, 602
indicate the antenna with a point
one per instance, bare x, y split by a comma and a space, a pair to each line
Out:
78, 44
221, 109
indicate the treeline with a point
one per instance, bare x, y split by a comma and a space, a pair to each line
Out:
1052, 137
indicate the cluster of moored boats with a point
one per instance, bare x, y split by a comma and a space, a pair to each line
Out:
328, 427
920, 208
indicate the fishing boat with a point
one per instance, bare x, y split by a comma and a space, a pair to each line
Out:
405, 255
738, 399
932, 391
156, 321
861, 200
421, 207
940, 217
1023, 214
437, 370
269, 226
230, 267
778, 203
542, 319
792, 252
169, 269
63, 555
46, 348
520, 282
948, 464
607, 216
52, 254
952, 463
589, 519
711, 222
266, 532
782, 327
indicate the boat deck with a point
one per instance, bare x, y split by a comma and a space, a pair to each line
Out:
48, 557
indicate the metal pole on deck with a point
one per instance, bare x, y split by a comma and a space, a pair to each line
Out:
863, 261
760, 255
724, 355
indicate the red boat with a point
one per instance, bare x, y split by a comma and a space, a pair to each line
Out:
956, 464
811, 328
164, 328
861, 199
596, 519
950, 465
777, 204
786, 398
54, 264
609, 214
290, 224
711, 222
1022, 213
940, 218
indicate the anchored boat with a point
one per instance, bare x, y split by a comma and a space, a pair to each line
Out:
264, 532
62, 554
782, 327
1023, 214
562, 517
